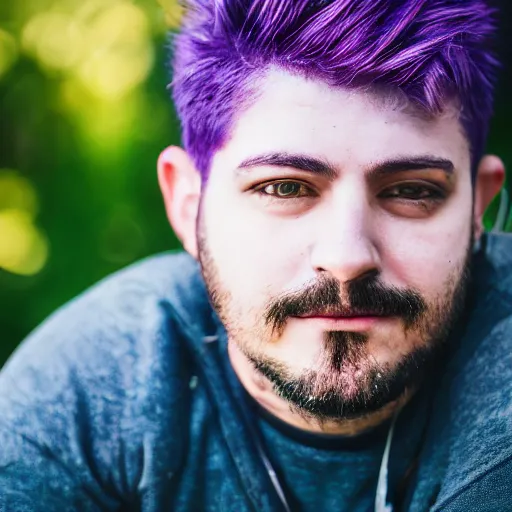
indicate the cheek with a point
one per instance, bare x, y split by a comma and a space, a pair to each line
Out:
253, 256
426, 255
246, 239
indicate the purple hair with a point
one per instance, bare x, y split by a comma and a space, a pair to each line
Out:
432, 50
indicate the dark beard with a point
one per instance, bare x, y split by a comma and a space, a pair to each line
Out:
322, 395
312, 397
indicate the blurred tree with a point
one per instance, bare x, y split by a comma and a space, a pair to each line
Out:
84, 113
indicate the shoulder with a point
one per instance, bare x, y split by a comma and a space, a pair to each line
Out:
108, 321
106, 373
476, 396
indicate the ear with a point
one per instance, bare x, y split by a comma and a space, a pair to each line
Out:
489, 180
180, 184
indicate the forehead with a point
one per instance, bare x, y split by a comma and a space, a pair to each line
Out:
289, 113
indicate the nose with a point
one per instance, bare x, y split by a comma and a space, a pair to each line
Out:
345, 246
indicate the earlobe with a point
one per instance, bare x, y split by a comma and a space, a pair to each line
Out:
489, 180
180, 184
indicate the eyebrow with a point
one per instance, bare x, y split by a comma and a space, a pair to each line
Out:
296, 161
323, 168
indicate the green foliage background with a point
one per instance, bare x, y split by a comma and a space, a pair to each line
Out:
84, 113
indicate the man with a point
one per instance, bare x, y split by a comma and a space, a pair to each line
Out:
337, 334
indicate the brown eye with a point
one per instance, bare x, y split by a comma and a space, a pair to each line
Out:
413, 192
284, 190
414, 199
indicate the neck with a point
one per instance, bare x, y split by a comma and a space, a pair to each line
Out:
261, 389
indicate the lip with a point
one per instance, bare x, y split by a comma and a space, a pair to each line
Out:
345, 323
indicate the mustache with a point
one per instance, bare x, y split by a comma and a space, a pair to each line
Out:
366, 296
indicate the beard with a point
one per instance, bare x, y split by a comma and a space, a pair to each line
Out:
345, 382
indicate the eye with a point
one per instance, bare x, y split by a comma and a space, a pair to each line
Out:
285, 190
414, 199
414, 192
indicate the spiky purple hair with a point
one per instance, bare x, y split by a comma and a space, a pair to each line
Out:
433, 50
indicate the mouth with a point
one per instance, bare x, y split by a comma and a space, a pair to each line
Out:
348, 321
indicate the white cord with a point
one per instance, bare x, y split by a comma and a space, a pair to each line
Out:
382, 484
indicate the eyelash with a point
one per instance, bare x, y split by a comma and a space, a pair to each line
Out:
260, 190
435, 193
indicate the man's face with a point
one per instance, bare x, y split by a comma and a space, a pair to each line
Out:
329, 202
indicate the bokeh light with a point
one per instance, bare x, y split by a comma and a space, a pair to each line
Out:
121, 239
120, 54
8, 51
54, 40
107, 46
17, 192
23, 246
